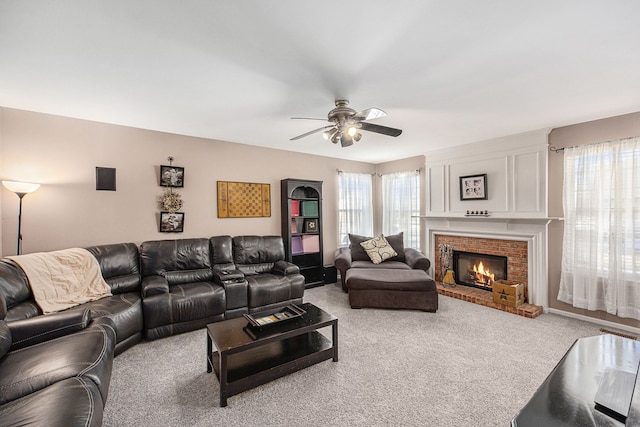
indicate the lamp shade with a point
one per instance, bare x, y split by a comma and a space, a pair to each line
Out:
20, 187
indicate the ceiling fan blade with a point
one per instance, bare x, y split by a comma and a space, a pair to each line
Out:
311, 132
308, 118
369, 114
370, 127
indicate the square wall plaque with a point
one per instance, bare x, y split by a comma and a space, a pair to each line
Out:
105, 179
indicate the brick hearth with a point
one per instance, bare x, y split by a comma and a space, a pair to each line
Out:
483, 297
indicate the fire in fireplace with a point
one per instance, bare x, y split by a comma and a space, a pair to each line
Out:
478, 270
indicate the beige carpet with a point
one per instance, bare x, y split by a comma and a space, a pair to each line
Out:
465, 365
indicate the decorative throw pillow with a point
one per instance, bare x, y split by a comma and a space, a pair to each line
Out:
357, 252
397, 242
378, 249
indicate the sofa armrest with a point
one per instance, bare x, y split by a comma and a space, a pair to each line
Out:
220, 276
416, 259
342, 261
154, 285
285, 268
34, 330
235, 287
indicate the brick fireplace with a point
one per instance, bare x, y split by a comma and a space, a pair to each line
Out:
514, 250
522, 240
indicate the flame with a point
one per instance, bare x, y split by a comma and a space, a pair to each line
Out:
481, 274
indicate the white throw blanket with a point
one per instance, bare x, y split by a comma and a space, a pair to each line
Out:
63, 279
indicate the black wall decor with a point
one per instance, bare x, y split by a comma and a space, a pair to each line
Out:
105, 179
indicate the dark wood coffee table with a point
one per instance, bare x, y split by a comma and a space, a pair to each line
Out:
245, 358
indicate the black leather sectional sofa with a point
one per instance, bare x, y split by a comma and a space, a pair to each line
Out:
55, 369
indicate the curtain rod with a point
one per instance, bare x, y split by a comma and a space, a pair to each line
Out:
559, 150
419, 170
367, 173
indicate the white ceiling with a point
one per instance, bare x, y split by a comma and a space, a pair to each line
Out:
447, 72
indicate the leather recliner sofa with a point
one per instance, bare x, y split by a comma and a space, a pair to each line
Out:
255, 267
55, 369
119, 267
189, 283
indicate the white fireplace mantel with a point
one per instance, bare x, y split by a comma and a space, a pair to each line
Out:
531, 230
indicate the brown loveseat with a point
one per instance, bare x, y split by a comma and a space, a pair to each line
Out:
399, 282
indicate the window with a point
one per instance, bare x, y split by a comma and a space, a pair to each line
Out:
401, 206
601, 242
355, 207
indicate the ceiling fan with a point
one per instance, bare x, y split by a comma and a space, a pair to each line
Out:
346, 124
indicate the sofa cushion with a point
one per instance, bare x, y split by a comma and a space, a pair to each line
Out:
72, 402
257, 254
13, 284
266, 289
378, 249
385, 265
359, 254
23, 310
88, 353
402, 280
397, 242
188, 276
186, 307
119, 266
125, 310
158, 257
221, 248
5, 338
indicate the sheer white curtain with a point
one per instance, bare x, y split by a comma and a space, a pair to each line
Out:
601, 243
401, 206
355, 205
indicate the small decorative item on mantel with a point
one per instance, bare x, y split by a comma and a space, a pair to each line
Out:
484, 213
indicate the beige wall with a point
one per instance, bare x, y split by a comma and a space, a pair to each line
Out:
584, 133
62, 154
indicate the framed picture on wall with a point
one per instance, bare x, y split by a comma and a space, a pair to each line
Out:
171, 222
171, 176
473, 187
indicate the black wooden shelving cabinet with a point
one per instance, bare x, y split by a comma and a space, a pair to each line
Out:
301, 191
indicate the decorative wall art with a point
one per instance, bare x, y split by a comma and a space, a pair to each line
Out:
311, 225
473, 187
170, 202
171, 222
243, 199
105, 179
171, 176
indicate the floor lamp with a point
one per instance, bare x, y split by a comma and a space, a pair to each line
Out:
21, 189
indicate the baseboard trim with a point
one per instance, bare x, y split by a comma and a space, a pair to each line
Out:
609, 324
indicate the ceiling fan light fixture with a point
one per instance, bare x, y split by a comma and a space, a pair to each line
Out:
346, 140
328, 134
345, 124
